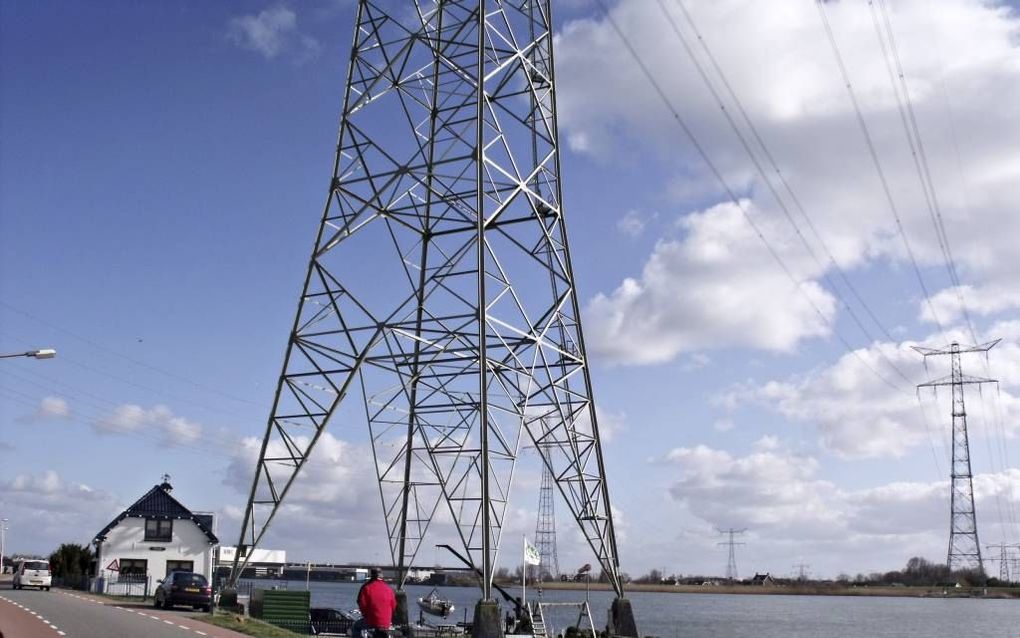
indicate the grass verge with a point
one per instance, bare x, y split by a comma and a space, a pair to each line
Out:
245, 625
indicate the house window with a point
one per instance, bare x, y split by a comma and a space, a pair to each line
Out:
179, 566
133, 569
158, 529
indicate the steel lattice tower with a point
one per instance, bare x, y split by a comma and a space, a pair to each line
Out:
1004, 559
964, 546
545, 529
731, 562
440, 286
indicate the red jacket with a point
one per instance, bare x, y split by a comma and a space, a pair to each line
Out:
377, 604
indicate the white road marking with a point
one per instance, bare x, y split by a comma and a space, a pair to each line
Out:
201, 633
169, 622
184, 627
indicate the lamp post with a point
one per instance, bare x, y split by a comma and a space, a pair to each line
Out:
42, 353
3, 529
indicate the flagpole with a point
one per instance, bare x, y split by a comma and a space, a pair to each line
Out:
524, 575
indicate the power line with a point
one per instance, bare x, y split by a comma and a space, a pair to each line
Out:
166, 394
918, 153
125, 357
872, 151
731, 194
779, 174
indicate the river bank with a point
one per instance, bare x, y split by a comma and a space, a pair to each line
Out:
809, 589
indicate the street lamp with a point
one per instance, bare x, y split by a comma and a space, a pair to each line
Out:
42, 353
3, 528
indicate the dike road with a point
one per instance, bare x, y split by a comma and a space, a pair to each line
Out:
29, 613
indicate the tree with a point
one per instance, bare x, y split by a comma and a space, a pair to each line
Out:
654, 576
71, 561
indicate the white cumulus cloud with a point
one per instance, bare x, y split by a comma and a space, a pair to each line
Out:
272, 32
715, 286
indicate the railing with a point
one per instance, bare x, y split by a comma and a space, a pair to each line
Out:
116, 584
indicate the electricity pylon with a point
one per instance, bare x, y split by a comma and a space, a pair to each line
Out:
964, 546
440, 288
1004, 560
731, 563
545, 529
802, 571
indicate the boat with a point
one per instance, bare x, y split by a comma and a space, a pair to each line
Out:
435, 605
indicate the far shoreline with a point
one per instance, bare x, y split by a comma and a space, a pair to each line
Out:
780, 589
797, 590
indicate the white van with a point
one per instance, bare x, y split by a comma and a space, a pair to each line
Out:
33, 573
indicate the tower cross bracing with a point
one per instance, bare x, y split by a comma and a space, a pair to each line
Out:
440, 289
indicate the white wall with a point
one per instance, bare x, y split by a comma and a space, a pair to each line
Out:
126, 540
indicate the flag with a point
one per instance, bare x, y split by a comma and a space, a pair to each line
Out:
531, 555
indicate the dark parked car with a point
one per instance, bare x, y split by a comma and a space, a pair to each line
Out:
184, 588
332, 622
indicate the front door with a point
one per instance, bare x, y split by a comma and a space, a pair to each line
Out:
179, 566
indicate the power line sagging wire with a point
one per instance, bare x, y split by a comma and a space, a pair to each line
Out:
128, 358
873, 152
741, 206
763, 174
913, 133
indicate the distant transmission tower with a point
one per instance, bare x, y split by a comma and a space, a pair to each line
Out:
1004, 560
964, 546
545, 529
731, 563
802, 570
440, 294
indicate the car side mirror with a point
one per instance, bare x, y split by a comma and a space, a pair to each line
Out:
160, 581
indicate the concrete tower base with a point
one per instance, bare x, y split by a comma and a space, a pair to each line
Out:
621, 619
400, 618
487, 623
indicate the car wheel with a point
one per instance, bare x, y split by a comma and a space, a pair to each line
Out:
207, 608
47, 589
155, 602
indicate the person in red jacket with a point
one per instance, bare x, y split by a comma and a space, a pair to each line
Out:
377, 604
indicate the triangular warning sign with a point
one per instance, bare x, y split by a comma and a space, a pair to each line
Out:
114, 565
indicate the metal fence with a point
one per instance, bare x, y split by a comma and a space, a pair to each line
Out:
315, 628
116, 584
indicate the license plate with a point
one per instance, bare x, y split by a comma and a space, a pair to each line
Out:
191, 590
37, 582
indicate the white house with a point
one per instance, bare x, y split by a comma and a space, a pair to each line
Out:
155, 537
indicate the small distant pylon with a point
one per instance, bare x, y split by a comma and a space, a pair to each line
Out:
964, 546
545, 529
731, 563
1004, 560
803, 571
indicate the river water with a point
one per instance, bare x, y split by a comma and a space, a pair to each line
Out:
737, 616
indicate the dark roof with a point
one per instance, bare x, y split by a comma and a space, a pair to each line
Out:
157, 503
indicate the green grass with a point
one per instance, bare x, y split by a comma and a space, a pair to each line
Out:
245, 625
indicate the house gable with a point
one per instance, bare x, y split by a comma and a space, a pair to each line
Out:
158, 504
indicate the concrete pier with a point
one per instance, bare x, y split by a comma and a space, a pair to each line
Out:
487, 623
400, 618
621, 619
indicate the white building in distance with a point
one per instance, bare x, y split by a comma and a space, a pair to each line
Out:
155, 537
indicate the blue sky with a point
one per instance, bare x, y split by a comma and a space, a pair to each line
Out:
162, 170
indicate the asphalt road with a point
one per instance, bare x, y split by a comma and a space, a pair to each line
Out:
30, 613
